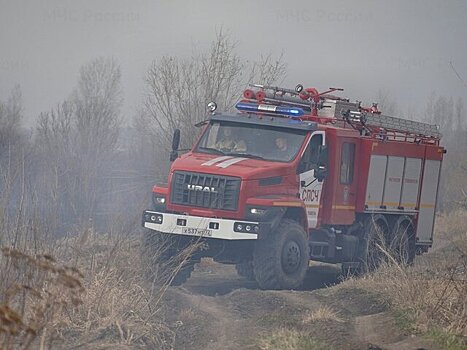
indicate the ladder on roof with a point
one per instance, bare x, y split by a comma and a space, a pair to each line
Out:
393, 124
351, 113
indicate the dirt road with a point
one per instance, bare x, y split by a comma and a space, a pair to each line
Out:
216, 309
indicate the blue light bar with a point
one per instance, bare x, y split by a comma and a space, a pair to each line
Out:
281, 110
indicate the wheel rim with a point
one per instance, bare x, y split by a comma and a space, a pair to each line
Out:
290, 257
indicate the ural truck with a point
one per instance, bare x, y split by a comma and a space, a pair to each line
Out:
298, 175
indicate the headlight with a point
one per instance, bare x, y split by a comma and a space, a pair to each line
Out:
158, 201
258, 211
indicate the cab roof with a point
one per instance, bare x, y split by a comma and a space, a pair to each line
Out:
267, 120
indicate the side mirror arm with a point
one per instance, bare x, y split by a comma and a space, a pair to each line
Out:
175, 145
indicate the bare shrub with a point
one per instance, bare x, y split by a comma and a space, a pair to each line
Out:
119, 307
451, 227
35, 291
433, 291
97, 298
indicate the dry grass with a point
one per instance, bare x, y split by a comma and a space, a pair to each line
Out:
450, 228
433, 292
286, 339
118, 306
36, 291
435, 297
324, 313
112, 304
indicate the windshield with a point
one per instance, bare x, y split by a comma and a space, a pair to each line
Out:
251, 141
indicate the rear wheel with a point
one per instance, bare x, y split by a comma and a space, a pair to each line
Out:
165, 258
375, 242
402, 241
372, 248
281, 258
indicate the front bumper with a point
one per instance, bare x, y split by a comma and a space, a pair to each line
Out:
187, 225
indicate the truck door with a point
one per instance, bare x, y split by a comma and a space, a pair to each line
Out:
310, 188
343, 204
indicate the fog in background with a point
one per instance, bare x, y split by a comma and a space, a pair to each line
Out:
90, 92
403, 48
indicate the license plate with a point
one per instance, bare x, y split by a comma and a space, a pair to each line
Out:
196, 232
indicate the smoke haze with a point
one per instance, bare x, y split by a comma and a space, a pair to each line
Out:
403, 48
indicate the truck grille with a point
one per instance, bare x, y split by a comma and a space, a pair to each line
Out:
205, 190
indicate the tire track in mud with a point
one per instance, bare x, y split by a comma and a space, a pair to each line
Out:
232, 312
218, 310
225, 323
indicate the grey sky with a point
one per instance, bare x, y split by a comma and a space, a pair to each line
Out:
403, 47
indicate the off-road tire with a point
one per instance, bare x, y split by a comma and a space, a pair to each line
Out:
402, 244
160, 258
373, 239
375, 243
281, 257
245, 269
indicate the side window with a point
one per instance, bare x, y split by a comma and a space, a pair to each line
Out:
310, 157
347, 163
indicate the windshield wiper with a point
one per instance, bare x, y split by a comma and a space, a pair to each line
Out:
246, 155
212, 150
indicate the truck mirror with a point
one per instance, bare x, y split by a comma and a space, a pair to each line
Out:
173, 155
176, 140
321, 173
175, 145
322, 168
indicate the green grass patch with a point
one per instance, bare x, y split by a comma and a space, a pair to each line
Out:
406, 320
447, 341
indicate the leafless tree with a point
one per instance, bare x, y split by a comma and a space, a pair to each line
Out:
77, 140
450, 117
10, 120
56, 162
97, 101
11, 153
178, 90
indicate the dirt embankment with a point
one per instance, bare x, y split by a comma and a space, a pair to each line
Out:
216, 309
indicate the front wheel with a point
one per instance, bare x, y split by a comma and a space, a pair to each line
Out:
281, 258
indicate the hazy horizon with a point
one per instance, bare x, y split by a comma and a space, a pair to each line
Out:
402, 48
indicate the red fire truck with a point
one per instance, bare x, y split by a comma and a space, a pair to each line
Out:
298, 175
